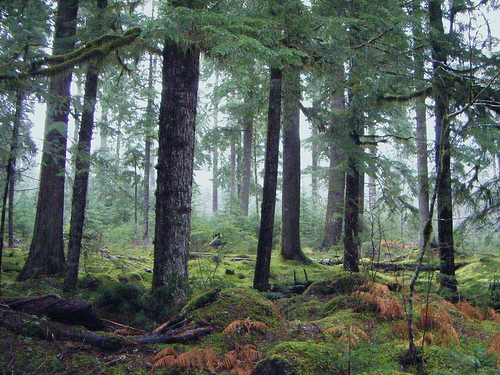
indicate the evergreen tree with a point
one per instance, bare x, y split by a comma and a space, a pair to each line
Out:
46, 254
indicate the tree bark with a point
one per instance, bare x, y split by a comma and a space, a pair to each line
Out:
175, 171
20, 95
80, 184
421, 127
266, 229
290, 231
46, 253
247, 152
438, 42
336, 179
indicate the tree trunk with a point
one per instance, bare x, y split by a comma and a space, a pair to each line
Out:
265, 244
335, 199
247, 152
443, 147
80, 184
215, 179
314, 167
290, 231
20, 95
421, 127
351, 215
46, 253
336, 180
150, 115
175, 171
233, 188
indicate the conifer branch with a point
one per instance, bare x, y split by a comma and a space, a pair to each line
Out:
96, 49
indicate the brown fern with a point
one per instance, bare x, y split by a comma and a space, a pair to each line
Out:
472, 312
244, 325
387, 307
352, 334
168, 351
375, 288
441, 320
203, 359
492, 315
494, 347
240, 360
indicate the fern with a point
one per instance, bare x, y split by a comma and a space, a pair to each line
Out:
244, 325
470, 311
494, 347
240, 360
375, 288
352, 334
387, 307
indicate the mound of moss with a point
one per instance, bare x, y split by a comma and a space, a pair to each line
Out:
219, 308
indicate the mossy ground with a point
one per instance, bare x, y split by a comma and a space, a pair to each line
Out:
296, 323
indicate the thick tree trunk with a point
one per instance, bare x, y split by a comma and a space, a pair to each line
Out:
247, 153
80, 184
266, 230
175, 171
443, 147
290, 231
46, 253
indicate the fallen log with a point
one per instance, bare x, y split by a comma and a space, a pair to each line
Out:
28, 325
63, 310
180, 335
389, 267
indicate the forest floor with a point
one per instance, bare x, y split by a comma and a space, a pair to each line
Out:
317, 319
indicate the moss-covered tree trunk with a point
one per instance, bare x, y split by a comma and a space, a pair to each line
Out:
176, 140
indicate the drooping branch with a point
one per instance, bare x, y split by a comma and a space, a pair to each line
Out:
98, 48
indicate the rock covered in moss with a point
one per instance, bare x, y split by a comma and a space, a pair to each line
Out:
274, 365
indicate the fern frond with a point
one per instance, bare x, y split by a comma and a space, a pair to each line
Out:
352, 335
375, 288
168, 351
246, 324
427, 320
210, 359
165, 361
392, 308
494, 347
190, 359
446, 334
493, 315
470, 311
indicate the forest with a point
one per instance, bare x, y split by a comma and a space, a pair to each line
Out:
268, 187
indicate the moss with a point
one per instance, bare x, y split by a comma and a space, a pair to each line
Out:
233, 304
274, 365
